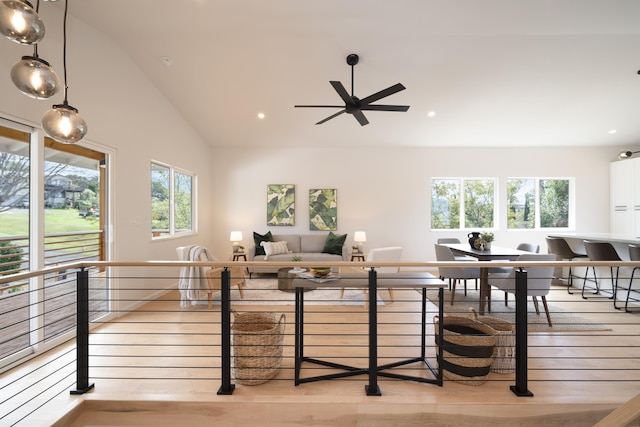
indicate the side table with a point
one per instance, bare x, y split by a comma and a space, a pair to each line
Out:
356, 257
237, 256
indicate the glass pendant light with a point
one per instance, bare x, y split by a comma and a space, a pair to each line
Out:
62, 122
34, 77
19, 22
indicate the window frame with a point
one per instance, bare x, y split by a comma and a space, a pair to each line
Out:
173, 170
537, 179
461, 198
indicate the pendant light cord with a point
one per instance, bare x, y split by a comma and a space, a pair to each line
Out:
64, 49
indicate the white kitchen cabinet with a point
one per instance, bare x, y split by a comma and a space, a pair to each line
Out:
625, 197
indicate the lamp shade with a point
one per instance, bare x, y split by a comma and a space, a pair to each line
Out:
236, 236
35, 78
20, 23
64, 124
360, 236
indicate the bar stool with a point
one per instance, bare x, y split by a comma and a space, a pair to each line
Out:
634, 255
602, 251
561, 249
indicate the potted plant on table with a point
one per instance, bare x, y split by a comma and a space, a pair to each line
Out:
487, 239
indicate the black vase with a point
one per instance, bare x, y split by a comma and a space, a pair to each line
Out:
473, 236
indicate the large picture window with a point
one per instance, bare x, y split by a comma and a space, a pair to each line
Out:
538, 203
459, 203
172, 201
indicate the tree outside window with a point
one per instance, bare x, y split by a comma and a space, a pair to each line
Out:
538, 203
458, 203
171, 201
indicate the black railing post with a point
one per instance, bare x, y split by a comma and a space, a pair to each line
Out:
225, 324
520, 389
372, 388
82, 333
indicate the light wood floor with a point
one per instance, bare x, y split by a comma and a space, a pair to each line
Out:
574, 377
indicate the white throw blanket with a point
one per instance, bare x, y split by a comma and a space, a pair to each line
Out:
193, 282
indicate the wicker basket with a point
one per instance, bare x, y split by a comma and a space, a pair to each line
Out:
504, 355
256, 346
467, 347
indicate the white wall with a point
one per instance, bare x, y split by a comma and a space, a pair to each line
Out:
386, 192
125, 113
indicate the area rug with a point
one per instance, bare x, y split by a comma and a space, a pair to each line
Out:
264, 291
562, 320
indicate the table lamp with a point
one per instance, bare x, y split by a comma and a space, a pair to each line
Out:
236, 238
359, 237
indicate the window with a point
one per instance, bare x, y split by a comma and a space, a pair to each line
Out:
538, 203
172, 203
458, 203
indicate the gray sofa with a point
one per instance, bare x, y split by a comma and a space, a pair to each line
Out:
307, 246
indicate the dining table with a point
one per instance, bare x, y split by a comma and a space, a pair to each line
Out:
495, 253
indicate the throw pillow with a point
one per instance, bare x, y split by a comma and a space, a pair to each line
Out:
259, 238
275, 248
334, 243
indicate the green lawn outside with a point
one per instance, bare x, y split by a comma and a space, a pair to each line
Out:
16, 222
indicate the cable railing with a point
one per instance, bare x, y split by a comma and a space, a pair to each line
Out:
131, 322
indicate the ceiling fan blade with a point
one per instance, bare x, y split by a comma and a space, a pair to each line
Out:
342, 92
360, 117
385, 107
319, 106
331, 117
383, 93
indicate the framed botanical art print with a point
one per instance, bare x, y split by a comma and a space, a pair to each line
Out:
323, 209
281, 204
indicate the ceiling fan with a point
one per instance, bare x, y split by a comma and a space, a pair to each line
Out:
354, 105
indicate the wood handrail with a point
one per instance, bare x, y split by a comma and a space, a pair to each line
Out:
622, 416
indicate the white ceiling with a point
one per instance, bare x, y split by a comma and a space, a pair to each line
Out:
496, 72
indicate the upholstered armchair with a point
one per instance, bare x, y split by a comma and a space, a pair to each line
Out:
195, 281
214, 279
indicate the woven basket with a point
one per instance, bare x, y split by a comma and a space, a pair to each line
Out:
504, 355
467, 347
256, 346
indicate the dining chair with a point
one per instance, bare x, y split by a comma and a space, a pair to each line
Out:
634, 255
561, 249
453, 274
538, 280
528, 247
455, 240
602, 251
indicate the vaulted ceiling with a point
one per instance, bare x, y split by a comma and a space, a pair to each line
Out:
495, 72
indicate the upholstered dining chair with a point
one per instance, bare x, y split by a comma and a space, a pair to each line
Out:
634, 255
455, 240
602, 251
538, 280
454, 274
561, 249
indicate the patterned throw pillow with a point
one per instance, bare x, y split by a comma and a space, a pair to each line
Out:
275, 248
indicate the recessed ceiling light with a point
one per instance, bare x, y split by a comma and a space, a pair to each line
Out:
166, 61
612, 131
261, 116
431, 114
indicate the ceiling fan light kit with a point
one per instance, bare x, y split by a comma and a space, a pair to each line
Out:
354, 105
